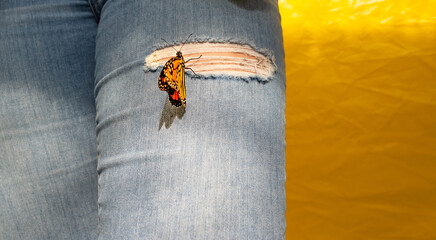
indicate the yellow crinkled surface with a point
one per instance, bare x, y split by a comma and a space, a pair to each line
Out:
360, 119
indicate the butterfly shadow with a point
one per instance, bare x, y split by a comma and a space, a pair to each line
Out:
169, 113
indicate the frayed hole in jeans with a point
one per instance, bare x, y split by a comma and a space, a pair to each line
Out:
217, 59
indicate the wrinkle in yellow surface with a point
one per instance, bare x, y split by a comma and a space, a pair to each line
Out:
360, 118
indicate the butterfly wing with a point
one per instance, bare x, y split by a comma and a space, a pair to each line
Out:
172, 80
181, 82
165, 75
174, 97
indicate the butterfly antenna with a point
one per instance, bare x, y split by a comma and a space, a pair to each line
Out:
169, 44
185, 42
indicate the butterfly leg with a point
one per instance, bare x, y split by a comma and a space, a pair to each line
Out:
194, 58
195, 74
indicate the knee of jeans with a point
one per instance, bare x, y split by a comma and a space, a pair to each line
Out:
218, 59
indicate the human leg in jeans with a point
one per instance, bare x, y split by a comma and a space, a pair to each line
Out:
217, 173
48, 156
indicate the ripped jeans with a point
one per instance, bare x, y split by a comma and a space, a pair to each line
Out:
91, 148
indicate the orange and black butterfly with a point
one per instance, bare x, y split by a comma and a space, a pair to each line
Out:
172, 78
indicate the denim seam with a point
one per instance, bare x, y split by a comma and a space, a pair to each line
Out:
98, 6
95, 9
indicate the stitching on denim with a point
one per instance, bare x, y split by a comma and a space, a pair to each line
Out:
99, 7
98, 187
94, 10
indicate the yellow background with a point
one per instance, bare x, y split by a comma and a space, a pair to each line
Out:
360, 119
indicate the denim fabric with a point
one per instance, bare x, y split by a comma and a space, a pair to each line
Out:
217, 173
48, 156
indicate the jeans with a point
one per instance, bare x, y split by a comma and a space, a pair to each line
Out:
91, 148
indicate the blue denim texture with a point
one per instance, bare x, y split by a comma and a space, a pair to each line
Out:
81, 154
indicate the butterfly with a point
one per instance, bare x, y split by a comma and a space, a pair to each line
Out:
172, 78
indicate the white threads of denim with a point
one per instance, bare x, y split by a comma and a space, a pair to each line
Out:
236, 60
